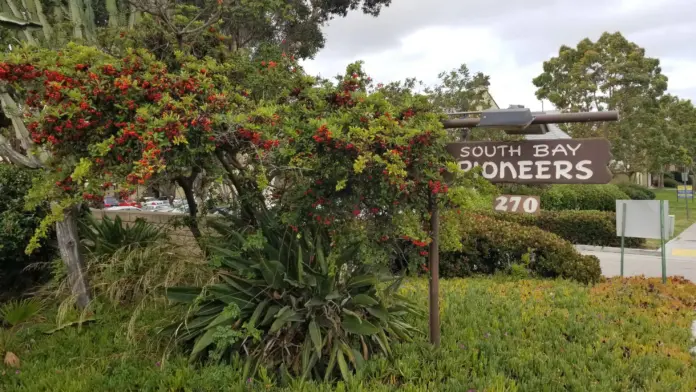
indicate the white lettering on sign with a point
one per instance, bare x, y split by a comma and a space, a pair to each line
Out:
528, 170
566, 161
490, 151
517, 204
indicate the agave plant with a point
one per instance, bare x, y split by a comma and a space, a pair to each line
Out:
286, 301
106, 237
19, 312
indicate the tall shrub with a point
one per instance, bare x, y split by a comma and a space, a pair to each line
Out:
16, 229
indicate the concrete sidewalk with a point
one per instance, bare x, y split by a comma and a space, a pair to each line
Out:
644, 264
684, 245
680, 254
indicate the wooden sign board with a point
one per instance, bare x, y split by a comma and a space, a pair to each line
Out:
517, 204
563, 161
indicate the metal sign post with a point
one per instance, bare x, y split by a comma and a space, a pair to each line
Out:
685, 179
623, 235
521, 122
434, 273
662, 241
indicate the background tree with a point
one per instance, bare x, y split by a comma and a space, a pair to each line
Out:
609, 74
165, 27
460, 91
672, 141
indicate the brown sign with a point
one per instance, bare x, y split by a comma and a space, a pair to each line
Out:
563, 161
517, 204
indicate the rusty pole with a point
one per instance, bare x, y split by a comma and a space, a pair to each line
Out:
434, 257
543, 119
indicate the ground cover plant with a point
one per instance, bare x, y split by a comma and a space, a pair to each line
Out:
498, 334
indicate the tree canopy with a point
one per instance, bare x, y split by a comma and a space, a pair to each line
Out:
609, 74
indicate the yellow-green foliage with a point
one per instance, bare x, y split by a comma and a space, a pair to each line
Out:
497, 335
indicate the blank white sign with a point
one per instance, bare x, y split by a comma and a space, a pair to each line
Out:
642, 218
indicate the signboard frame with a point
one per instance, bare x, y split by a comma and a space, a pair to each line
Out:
556, 161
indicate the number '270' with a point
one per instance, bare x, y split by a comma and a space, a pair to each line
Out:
518, 204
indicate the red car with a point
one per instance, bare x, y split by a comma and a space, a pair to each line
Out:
110, 201
129, 203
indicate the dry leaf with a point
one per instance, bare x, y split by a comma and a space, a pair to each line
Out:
11, 360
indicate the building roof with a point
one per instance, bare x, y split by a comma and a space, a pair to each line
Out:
555, 132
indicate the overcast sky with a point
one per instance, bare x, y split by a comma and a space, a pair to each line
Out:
506, 39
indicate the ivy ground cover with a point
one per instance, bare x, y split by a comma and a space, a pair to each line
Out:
499, 334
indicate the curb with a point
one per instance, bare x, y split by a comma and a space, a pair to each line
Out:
628, 251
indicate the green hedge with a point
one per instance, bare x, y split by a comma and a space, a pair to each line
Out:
636, 192
578, 227
671, 183
582, 197
491, 245
571, 197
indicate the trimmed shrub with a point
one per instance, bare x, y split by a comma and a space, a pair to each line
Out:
491, 245
578, 227
676, 175
521, 189
671, 182
582, 197
636, 192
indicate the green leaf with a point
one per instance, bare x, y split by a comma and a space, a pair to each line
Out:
270, 314
306, 354
331, 364
363, 300
284, 316
242, 285
12, 23
314, 302
183, 294
315, 334
272, 272
357, 326
362, 281
228, 296
202, 321
257, 313
300, 271
202, 343
70, 324
321, 260
380, 312
381, 338
345, 372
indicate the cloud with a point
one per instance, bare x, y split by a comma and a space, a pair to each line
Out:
506, 39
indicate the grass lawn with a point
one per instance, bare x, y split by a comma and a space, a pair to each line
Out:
498, 335
676, 208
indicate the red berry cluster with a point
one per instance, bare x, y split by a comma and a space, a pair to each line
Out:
437, 187
66, 184
13, 73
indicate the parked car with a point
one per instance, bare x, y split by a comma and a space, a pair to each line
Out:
129, 203
110, 201
155, 203
157, 208
123, 208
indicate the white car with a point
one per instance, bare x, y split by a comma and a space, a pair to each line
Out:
122, 208
158, 208
155, 203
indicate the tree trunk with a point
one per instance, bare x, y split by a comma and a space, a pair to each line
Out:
69, 244
187, 185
